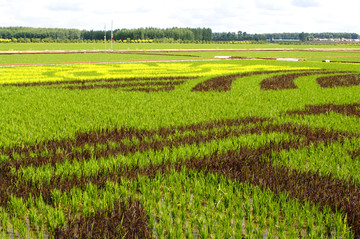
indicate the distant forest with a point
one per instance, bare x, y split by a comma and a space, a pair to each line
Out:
29, 34
186, 34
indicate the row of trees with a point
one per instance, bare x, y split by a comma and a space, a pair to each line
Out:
311, 36
41, 33
189, 34
186, 34
175, 33
243, 36
330, 35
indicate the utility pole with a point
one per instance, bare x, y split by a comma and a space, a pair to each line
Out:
105, 36
112, 35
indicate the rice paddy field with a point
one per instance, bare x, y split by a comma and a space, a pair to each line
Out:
238, 148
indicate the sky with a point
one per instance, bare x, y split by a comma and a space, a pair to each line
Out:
251, 16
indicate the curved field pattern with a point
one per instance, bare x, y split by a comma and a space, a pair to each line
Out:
339, 81
223, 83
284, 79
34, 74
129, 84
348, 109
261, 161
242, 164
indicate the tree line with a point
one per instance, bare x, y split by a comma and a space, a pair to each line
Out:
41, 33
311, 36
243, 36
190, 34
175, 33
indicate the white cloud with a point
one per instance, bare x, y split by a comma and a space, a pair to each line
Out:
271, 5
305, 3
252, 16
64, 7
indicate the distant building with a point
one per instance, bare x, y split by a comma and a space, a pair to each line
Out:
337, 39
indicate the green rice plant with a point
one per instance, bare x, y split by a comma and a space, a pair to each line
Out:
4, 221
33, 214
19, 227
272, 223
54, 218
333, 158
17, 207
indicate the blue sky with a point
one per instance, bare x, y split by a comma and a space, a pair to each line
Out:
252, 16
